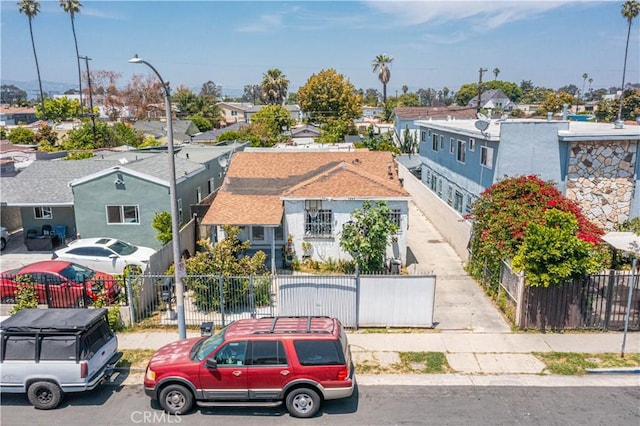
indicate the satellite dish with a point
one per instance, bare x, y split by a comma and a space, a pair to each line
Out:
482, 117
223, 161
481, 125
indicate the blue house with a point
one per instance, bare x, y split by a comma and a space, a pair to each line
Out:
591, 163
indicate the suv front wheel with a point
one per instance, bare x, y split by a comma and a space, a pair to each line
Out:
44, 395
303, 402
176, 399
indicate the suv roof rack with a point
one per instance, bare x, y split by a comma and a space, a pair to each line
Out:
307, 329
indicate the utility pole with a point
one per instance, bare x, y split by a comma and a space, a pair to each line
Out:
91, 114
481, 71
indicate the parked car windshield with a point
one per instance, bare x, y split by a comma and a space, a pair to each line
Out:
208, 345
77, 273
123, 248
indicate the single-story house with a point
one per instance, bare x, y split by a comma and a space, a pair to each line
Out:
183, 130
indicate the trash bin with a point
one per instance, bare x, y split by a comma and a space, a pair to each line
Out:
206, 328
395, 266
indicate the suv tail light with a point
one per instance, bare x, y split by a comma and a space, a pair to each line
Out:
343, 373
84, 369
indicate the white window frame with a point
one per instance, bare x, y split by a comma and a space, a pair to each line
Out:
423, 136
486, 157
472, 144
256, 235
199, 194
43, 213
442, 142
122, 213
452, 146
434, 142
212, 185
395, 216
318, 221
180, 216
458, 201
462, 151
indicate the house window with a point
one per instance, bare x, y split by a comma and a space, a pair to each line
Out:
458, 200
462, 145
279, 233
429, 133
434, 183
469, 203
486, 157
439, 187
450, 195
423, 136
428, 179
472, 144
318, 222
234, 113
257, 233
212, 185
452, 146
199, 194
180, 217
435, 142
441, 141
123, 215
395, 216
43, 213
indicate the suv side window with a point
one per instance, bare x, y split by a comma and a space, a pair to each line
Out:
267, 352
95, 339
19, 348
319, 352
233, 353
58, 348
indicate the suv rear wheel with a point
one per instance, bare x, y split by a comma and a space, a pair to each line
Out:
176, 399
44, 395
303, 402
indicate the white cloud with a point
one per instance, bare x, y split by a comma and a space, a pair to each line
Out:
265, 23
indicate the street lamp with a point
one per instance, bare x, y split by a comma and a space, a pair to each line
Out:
175, 230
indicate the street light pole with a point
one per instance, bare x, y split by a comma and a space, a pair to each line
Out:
175, 229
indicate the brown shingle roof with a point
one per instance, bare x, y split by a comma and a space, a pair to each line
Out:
256, 182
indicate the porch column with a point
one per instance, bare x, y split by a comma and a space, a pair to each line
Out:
273, 250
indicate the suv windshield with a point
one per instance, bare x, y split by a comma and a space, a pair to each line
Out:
205, 347
123, 248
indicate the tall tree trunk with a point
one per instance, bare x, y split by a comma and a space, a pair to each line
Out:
33, 45
624, 70
384, 93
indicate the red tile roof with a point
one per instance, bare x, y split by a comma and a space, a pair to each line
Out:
257, 182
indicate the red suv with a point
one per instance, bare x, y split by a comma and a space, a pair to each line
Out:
298, 361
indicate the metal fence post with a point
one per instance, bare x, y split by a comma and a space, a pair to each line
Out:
252, 302
357, 295
220, 288
130, 297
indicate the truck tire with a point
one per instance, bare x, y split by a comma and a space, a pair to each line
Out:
44, 395
303, 402
176, 399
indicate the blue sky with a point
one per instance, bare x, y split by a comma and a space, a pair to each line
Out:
435, 44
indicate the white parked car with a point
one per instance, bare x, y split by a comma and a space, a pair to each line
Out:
105, 254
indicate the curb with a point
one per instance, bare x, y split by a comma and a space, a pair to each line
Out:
613, 370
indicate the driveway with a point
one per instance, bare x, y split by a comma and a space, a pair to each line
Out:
17, 255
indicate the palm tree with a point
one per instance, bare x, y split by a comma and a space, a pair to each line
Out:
590, 81
585, 76
496, 71
274, 87
31, 9
384, 74
72, 7
630, 10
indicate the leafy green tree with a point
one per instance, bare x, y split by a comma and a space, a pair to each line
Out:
535, 95
465, 93
185, 101
274, 87
210, 91
554, 102
123, 134
10, 94
162, 223
22, 136
31, 8
61, 109
245, 134
201, 123
47, 139
226, 258
271, 119
149, 141
378, 142
72, 7
81, 138
409, 143
251, 93
328, 96
607, 110
503, 211
512, 90
379, 65
370, 97
552, 253
408, 100
366, 236
630, 10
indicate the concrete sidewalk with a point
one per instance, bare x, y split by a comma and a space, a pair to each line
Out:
467, 353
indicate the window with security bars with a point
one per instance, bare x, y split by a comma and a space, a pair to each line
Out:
395, 216
318, 221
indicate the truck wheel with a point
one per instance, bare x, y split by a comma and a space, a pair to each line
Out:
44, 395
3, 244
176, 399
303, 402
9, 299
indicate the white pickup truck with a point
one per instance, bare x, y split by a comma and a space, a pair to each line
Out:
46, 353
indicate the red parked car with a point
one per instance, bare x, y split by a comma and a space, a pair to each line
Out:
59, 284
296, 361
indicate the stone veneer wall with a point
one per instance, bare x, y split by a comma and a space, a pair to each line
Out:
601, 179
